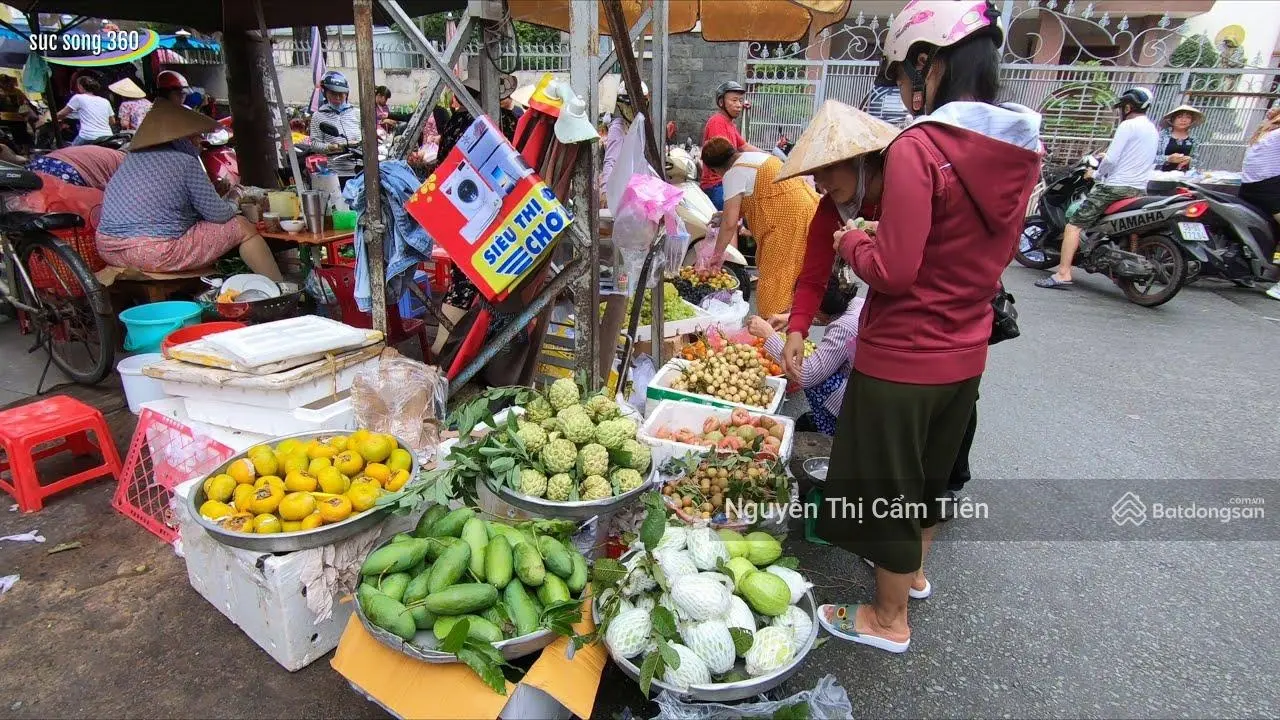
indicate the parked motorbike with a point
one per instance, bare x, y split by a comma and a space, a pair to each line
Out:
219, 156
697, 213
1137, 241
1240, 238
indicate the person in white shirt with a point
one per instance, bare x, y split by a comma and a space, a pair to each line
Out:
97, 119
1122, 174
1260, 174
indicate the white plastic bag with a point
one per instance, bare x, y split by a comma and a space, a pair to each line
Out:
631, 161
730, 314
826, 701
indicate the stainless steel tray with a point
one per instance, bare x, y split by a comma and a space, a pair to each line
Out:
293, 541
581, 510
424, 644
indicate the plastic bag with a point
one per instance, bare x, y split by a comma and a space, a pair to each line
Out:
677, 244
729, 314
827, 700
631, 161
642, 373
403, 397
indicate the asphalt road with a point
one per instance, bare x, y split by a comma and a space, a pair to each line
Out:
1045, 608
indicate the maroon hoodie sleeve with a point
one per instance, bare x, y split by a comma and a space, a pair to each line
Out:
819, 257
889, 261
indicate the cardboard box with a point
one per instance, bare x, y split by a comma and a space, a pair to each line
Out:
556, 687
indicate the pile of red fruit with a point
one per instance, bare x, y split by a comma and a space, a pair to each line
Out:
741, 431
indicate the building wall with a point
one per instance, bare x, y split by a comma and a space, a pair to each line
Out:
695, 68
1262, 29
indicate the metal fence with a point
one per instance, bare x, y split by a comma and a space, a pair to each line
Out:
395, 53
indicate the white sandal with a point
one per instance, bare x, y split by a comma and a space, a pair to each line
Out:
913, 593
841, 625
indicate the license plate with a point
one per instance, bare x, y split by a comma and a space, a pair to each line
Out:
1193, 231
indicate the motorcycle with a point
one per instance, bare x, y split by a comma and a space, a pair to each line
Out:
697, 214
1241, 238
1136, 242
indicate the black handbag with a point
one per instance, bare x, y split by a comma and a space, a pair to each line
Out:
1004, 320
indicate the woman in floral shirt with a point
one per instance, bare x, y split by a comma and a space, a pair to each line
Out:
135, 106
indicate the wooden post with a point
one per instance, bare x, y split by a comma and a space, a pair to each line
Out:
584, 45
247, 57
374, 228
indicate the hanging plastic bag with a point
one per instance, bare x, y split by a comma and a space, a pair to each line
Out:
826, 701
646, 202
631, 162
403, 397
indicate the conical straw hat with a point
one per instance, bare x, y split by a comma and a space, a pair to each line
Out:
166, 122
127, 88
838, 132
1197, 117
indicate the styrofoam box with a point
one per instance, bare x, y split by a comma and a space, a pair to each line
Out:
660, 389
671, 328
324, 414
284, 398
679, 415
262, 593
237, 440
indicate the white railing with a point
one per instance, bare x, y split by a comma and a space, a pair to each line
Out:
396, 54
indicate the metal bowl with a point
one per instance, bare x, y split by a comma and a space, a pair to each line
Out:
267, 310
730, 692
424, 644
816, 469
292, 541
581, 510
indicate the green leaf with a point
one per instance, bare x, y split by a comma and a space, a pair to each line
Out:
457, 637
798, 711
502, 464
654, 526
648, 669
670, 657
560, 617
790, 562
742, 640
664, 623
607, 573
483, 666
822, 640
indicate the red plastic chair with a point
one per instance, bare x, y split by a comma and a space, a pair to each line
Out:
47, 427
342, 281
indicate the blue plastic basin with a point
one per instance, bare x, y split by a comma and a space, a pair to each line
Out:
146, 326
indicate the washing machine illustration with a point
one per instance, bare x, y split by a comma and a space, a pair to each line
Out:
474, 199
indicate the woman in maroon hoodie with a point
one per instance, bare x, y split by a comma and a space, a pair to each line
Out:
955, 187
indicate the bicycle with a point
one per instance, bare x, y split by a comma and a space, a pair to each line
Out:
46, 280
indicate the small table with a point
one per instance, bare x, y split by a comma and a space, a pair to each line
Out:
331, 239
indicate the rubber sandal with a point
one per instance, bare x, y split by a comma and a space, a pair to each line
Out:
913, 593
839, 621
1053, 283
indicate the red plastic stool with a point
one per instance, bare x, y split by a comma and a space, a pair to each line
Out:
66, 423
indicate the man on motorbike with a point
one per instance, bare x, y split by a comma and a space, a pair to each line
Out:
1122, 174
342, 115
730, 101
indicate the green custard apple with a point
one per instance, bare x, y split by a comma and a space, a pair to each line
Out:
627, 479
559, 456
559, 487
595, 487
593, 459
601, 408
635, 455
538, 409
612, 433
533, 436
563, 393
533, 483
578, 428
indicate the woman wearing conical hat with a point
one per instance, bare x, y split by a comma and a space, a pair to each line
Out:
1177, 147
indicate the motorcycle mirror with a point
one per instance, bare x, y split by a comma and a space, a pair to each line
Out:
330, 129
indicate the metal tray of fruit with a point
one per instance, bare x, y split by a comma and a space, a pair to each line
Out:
581, 510
424, 644
734, 691
291, 541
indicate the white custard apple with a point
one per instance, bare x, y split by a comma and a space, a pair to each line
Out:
601, 408
740, 615
645, 601
559, 456
706, 547
799, 586
692, 670
533, 483
627, 479
701, 596
673, 538
675, 563
712, 642
595, 487
559, 487
563, 393
638, 580
612, 433
770, 651
578, 428
628, 633
665, 601
593, 459
798, 623
533, 436
635, 455
538, 409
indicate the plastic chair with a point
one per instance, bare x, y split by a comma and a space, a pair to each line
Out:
58, 419
342, 281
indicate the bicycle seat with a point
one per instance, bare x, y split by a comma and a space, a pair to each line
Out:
14, 178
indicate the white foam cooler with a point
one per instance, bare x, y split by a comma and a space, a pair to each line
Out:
330, 413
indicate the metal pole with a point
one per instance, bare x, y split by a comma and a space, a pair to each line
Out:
402, 21
374, 229
631, 78
1006, 17
584, 45
490, 52
407, 142
286, 137
637, 30
658, 107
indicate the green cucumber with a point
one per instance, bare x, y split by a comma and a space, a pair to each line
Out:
577, 580
429, 518
390, 615
498, 562
524, 615
461, 599
555, 557
437, 546
393, 585
395, 557
553, 591
473, 534
449, 568
451, 525
478, 628
529, 567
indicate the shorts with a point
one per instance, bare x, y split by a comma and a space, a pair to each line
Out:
715, 194
1099, 198
199, 247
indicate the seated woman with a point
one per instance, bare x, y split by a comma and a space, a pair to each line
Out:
88, 166
776, 207
160, 212
825, 373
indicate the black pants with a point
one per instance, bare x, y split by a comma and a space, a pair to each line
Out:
894, 452
960, 471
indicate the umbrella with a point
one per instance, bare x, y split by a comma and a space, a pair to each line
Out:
318, 69
187, 41
722, 20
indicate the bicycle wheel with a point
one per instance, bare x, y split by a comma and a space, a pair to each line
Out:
73, 319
